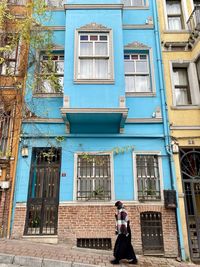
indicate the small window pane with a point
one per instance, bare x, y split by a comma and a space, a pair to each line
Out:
101, 68
86, 68
59, 67
134, 56
174, 23
101, 48
86, 49
130, 83
142, 84
93, 38
143, 56
180, 77
126, 56
129, 67
141, 66
173, 7
84, 37
103, 38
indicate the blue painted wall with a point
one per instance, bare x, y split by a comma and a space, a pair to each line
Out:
142, 136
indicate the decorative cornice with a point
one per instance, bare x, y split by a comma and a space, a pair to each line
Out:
93, 6
135, 45
94, 110
93, 27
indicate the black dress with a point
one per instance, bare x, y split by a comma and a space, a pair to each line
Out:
123, 248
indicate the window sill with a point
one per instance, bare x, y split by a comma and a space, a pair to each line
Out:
184, 31
90, 81
47, 95
185, 107
136, 7
140, 94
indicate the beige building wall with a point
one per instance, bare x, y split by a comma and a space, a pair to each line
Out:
177, 50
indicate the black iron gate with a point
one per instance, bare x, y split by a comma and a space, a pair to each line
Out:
151, 231
43, 196
190, 168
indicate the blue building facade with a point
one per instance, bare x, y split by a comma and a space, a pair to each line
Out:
98, 133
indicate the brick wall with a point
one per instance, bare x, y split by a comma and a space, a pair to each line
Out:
98, 222
4, 211
83, 221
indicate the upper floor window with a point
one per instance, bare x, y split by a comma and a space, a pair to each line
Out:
9, 55
137, 74
51, 72
5, 128
17, 2
93, 54
134, 3
198, 69
181, 86
148, 177
54, 3
93, 177
174, 15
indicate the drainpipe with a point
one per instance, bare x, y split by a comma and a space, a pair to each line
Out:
166, 127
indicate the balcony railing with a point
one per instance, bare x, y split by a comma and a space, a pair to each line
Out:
194, 19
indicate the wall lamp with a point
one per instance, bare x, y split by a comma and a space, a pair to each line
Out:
24, 151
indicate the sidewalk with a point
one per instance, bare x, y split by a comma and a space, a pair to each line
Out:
27, 253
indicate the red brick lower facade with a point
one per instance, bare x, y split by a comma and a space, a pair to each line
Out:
98, 221
4, 211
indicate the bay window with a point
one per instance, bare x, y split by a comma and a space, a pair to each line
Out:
93, 55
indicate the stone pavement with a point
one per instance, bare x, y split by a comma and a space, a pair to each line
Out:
27, 253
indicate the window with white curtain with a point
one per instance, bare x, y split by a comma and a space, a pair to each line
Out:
174, 15
137, 74
51, 69
181, 86
198, 69
135, 3
93, 56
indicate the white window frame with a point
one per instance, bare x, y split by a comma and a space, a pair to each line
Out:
148, 153
145, 4
110, 154
184, 13
193, 83
77, 56
55, 3
135, 73
59, 75
149, 52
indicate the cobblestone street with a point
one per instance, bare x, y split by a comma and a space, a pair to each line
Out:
26, 253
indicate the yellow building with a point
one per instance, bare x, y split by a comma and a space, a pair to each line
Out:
180, 37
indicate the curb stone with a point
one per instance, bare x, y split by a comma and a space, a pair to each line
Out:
6, 258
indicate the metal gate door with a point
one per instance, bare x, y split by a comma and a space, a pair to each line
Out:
43, 196
152, 234
190, 168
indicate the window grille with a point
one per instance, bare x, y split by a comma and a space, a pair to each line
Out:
151, 231
137, 76
5, 128
51, 69
95, 243
148, 177
93, 177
